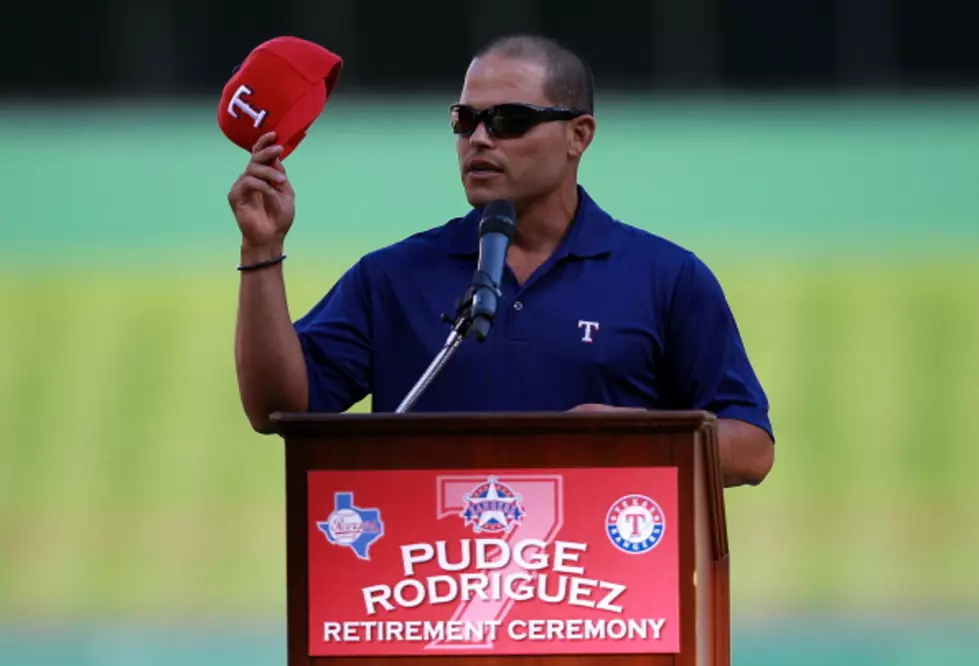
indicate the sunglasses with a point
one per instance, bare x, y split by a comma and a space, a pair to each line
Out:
506, 121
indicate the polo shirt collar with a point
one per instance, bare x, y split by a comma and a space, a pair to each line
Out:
590, 233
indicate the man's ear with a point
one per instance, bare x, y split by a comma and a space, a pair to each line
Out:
581, 131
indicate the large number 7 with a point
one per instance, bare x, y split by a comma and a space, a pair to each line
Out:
542, 496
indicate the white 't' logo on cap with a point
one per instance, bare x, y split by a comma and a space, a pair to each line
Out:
237, 102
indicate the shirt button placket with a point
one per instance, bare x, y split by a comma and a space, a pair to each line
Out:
516, 327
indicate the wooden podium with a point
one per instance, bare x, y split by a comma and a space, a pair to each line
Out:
683, 440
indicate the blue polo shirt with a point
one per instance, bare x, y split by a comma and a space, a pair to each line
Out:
617, 316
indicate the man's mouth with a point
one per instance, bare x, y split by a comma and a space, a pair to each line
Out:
480, 171
481, 167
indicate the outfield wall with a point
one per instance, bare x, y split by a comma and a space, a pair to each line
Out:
846, 236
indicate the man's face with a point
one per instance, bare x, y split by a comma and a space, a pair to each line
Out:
517, 168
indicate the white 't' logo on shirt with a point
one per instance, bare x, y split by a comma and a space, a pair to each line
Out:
589, 326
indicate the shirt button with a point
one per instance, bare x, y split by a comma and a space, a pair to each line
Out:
518, 306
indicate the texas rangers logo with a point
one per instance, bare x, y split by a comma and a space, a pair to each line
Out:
492, 507
635, 524
351, 526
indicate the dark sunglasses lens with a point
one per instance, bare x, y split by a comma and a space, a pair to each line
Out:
512, 121
463, 120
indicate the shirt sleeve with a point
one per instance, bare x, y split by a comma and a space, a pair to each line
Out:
337, 345
708, 365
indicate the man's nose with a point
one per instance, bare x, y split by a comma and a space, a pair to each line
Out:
480, 137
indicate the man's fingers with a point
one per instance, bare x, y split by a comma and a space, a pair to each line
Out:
266, 173
266, 155
595, 407
263, 141
248, 184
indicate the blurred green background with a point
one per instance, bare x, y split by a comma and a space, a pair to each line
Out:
142, 521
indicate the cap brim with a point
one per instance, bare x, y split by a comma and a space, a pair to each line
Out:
292, 129
328, 67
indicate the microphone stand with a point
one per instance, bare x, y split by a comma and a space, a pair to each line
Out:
466, 321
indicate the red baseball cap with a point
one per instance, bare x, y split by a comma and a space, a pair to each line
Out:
283, 86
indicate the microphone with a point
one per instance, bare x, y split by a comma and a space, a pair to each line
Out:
496, 230
476, 309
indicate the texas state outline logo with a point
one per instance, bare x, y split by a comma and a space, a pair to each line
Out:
351, 526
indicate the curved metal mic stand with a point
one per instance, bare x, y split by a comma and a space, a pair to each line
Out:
466, 321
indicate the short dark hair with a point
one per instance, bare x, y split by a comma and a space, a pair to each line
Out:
569, 82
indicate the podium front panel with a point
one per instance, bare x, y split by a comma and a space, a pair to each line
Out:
493, 561
422, 511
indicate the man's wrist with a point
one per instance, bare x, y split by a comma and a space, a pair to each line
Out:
254, 254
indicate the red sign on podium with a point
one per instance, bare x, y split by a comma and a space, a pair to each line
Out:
558, 561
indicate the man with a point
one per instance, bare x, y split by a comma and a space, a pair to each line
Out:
596, 314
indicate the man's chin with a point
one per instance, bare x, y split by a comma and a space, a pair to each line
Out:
479, 195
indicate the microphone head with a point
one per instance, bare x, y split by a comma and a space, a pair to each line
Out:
499, 216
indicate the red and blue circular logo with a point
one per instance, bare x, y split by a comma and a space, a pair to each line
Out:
635, 524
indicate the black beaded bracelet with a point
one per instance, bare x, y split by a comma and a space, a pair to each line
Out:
262, 264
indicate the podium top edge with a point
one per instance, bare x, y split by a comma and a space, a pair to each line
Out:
360, 423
